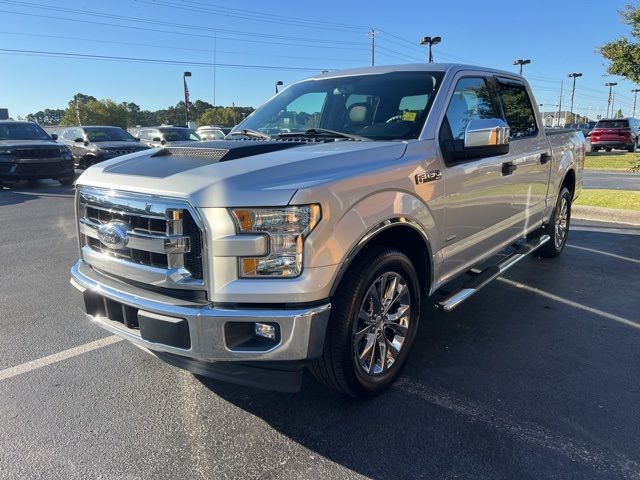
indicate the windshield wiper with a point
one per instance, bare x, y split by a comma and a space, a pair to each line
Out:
323, 132
247, 132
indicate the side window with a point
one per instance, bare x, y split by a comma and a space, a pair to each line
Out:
517, 110
143, 134
471, 100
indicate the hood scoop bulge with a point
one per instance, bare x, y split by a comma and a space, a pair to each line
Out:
181, 158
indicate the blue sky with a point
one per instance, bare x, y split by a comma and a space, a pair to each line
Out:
559, 37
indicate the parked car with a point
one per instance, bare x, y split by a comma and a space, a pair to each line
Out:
161, 136
210, 133
586, 128
571, 126
319, 246
27, 152
619, 133
93, 144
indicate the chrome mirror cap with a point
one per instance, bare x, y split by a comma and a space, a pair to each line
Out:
490, 132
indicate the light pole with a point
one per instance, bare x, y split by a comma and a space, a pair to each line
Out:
278, 84
610, 85
186, 97
635, 97
573, 92
431, 41
522, 63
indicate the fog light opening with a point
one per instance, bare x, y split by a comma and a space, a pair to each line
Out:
266, 330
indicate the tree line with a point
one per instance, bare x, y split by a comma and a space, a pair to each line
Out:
88, 110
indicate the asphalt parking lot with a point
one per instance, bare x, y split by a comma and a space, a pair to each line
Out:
536, 377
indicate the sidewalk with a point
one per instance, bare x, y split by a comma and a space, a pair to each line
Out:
601, 214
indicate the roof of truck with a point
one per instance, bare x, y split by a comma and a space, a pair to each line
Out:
410, 67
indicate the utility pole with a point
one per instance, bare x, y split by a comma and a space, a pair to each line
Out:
186, 97
609, 102
635, 97
573, 92
373, 34
560, 103
522, 63
215, 64
431, 41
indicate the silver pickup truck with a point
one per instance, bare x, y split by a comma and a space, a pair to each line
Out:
317, 234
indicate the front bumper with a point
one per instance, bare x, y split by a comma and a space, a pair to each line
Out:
195, 330
33, 169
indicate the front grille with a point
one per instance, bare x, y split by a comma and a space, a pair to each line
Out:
161, 234
37, 152
122, 151
39, 168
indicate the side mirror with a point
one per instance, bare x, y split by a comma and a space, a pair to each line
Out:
79, 140
163, 141
491, 133
157, 139
136, 139
54, 137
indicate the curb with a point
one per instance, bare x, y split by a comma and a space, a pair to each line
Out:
602, 214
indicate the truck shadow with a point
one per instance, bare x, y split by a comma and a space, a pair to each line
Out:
25, 191
511, 374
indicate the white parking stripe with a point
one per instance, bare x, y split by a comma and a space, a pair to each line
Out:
57, 357
609, 254
571, 303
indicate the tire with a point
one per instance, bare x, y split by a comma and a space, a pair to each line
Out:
561, 215
67, 181
350, 364
608, 149
632, 148
595, 149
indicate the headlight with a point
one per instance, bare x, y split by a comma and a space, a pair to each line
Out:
286, 227
64, 150
5, 151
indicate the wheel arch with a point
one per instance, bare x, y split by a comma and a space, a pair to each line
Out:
398, 232
569, 181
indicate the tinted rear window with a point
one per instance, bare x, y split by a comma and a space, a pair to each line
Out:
613, 124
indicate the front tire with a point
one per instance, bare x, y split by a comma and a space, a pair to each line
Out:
67, 181
632, 148
558, 227
373, 324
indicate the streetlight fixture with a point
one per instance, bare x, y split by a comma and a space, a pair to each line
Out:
635, 97
431, 41
278, 84
522, 63
186, 97
610, 85
573, 92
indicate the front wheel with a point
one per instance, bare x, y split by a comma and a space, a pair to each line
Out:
632, 148
373, 323
558, 227
67, 181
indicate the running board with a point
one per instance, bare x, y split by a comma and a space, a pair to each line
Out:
481, 279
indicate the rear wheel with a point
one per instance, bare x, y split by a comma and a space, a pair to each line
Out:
594, 149
632, 148
558, 227
608, 149
373, 323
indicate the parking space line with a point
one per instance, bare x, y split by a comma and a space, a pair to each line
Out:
58, 357
571, 303
593, 250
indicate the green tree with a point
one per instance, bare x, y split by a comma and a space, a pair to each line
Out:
47, 116
623, 54
619, 114
95, 112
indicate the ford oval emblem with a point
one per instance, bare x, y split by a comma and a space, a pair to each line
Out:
113, 234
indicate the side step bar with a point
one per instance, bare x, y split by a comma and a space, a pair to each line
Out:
481, 279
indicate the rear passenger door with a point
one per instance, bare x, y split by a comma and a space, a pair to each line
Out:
478, 201
529, 153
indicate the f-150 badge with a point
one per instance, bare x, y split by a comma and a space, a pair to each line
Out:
425, 177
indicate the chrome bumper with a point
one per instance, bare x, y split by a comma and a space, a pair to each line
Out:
302, 330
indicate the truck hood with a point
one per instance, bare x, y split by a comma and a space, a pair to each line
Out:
28, 143
238, 173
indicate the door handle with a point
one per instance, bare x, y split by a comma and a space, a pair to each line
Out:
508, 168
544, 158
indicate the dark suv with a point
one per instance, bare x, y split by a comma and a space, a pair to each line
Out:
27, 152
93, 144
620, 133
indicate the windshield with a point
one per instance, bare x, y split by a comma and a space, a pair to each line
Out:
211, 134
22, 131
108, 134
178, 134
379, 106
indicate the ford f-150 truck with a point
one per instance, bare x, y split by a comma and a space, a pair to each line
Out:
316, 233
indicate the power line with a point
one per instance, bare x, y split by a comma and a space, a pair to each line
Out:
84, 56
138, 28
